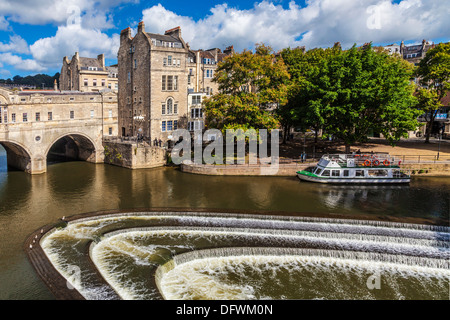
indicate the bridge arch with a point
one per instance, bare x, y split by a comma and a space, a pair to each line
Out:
18, 156
74, 145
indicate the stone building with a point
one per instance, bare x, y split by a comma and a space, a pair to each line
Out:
87, 74
411, 53
202, 65
157, 75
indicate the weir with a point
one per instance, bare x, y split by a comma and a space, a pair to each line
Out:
118, 247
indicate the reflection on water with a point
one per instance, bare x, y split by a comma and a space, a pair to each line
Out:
29, 202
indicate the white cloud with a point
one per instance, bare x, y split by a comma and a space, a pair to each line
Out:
93, 13
320, 23
69, 39
20, 63
4, 24
16, 44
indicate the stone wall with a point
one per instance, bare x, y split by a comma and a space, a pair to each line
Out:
287, 170
133, 156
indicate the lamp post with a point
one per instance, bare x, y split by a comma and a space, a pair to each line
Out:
440, 132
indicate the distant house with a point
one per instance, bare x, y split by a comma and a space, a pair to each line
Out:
87, 74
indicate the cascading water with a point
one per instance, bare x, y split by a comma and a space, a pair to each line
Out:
127, 250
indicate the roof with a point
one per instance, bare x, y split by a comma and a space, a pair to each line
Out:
90, 62
163, 37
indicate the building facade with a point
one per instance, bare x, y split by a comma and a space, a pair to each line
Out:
87, 74
158, 77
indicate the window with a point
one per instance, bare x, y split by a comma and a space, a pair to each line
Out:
163, 83
318, 171
175, 124
163, 109
135, 63
50, 116
38, 116
94, 82
103, 82
129, 77
169, 125
163, 126
359, 173
346, 173
335, 173
117, 86
92, 114
25, 117
86, 82
326, 173
165, 62
13, 117
72, 114
169, 60
169, 106
175, 108
110, 113
196, 99
110, 131
175, 82
170, 83
178, 62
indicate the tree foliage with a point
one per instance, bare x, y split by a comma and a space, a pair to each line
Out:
349, 93
36, 80
250, 85
434, 74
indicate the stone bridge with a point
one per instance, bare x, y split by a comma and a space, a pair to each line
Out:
36, 125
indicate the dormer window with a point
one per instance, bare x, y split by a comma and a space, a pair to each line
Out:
92, 68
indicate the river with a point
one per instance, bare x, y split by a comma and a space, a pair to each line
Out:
69, 188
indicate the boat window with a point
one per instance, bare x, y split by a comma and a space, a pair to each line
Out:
318, 171
359, 173
335, 173
326, 173
346, 173
377, 173
399, 174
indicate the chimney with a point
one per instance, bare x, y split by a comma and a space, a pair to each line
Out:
176, 32
141, 27
125, 34
55, 85
101, 60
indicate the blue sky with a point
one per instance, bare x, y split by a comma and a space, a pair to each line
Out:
36, 35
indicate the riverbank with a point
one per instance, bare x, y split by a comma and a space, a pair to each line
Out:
417, 157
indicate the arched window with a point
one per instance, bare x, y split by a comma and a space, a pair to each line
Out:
169, 106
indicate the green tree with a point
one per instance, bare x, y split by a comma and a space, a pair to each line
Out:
363, 89
250, 85
434, 74
303, 66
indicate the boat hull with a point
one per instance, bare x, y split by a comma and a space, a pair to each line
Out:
353, 180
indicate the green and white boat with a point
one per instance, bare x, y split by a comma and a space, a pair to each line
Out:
356, 169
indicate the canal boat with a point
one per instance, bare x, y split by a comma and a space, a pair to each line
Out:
356, 169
